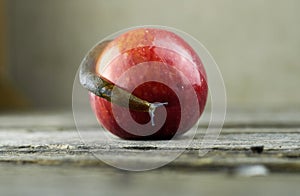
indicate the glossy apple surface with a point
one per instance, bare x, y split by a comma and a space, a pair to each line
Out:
158, 66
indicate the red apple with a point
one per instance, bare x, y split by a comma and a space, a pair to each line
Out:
156, 65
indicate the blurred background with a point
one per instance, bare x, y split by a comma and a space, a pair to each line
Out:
255, 43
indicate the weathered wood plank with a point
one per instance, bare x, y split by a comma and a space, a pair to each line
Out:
281, 150
42, 152
67, 180
51, 139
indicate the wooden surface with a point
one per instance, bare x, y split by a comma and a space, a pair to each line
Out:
42, 152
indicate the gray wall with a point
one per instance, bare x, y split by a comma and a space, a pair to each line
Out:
255, 43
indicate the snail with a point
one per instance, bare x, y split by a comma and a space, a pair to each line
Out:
106, 89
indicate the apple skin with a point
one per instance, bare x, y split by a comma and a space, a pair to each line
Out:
159, 66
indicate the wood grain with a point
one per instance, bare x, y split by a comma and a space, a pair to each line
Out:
41, 152
52, 139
